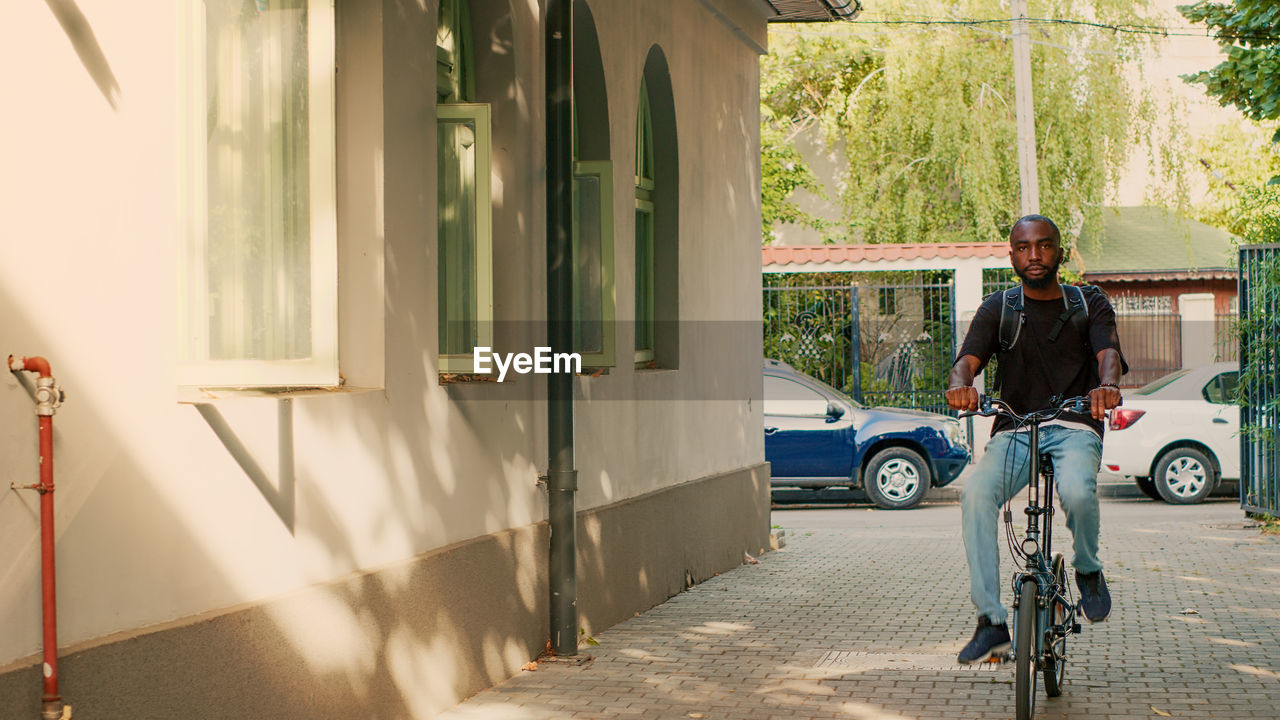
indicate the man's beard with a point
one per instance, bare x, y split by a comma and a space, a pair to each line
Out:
1048, 279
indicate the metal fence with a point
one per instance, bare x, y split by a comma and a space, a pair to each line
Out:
1152, 345
994, 279
1226, 346
883, 338
1259, 387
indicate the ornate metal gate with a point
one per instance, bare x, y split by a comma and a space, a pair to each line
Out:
883, 338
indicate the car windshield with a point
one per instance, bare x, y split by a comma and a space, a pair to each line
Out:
1157, 384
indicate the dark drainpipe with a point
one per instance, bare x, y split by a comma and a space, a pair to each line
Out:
562, 482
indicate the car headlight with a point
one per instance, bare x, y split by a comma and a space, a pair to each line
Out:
955, 434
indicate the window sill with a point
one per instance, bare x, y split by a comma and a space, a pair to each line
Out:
450, 378
646, 371
189, 395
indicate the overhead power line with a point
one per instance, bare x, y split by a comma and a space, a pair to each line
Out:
1117, 28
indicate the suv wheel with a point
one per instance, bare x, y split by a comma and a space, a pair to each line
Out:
897, 478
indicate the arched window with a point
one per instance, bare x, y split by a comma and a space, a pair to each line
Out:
464, 227
657, 219
594, 300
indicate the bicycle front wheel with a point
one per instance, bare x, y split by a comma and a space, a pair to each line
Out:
1055, 657
1025, 650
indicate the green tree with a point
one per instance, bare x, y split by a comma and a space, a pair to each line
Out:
1248, 33
1237, 160
784, 171
925, 115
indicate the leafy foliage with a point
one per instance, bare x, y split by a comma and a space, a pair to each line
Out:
1236, 158
926, 121
1248, 32
786, 171
1256, 218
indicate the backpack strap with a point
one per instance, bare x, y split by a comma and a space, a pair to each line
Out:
1080, 316
1011, 318
1075, 311
1011, 321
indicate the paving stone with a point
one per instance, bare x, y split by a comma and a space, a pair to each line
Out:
859, 614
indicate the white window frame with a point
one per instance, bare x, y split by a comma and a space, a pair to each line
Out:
479, 114
194, 367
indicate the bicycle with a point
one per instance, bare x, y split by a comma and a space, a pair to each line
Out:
1044, 613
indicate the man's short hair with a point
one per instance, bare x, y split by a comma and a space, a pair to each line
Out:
1036, 218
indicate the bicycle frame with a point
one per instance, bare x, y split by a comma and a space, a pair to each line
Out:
1042, 619
1049, 593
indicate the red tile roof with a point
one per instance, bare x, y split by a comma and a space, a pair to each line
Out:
802, 254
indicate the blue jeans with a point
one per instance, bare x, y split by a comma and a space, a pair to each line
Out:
1000, 474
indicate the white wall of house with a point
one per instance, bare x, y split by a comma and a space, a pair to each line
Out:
156, 521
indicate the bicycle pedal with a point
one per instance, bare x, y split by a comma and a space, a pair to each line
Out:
1000, 658
1075, 628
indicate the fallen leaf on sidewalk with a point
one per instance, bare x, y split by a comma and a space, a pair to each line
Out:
1160, 712
696, 715
530, 666
750, 560
1190, 611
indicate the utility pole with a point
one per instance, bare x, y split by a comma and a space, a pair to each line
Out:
1025, 109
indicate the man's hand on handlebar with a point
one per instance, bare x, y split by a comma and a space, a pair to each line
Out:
962, 397
1102, 399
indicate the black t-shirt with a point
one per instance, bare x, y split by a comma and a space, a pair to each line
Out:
1037, 369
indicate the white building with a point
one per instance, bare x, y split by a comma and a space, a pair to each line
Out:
205, 196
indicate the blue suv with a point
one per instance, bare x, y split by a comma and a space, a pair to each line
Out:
816, 437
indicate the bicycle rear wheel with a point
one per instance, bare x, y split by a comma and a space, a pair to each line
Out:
1055, 660
1025, 650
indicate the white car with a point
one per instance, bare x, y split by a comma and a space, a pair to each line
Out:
1178, 437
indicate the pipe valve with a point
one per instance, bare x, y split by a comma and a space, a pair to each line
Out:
49, 396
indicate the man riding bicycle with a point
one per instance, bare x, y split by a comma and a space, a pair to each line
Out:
1052, 342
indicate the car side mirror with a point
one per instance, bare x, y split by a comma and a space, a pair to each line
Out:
834, 410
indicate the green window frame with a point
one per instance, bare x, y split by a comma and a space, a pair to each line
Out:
595, 302
644, 224
258, 276
464, 234
464, 198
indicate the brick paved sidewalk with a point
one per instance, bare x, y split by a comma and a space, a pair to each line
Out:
861, 616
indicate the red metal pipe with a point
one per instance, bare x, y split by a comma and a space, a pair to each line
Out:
48, 398
47, 574
37, 365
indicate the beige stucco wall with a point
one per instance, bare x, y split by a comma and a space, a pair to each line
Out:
433, 629
156, 521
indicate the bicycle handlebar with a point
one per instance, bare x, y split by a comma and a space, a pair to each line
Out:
989, 406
